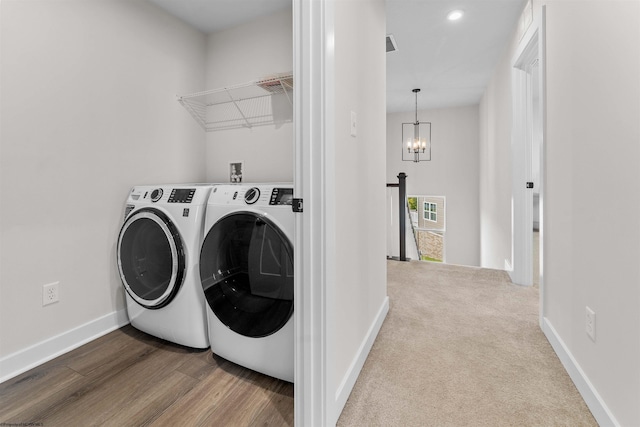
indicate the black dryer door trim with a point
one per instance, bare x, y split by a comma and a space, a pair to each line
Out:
151, 258
246, 269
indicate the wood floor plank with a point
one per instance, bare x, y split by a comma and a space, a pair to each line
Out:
129, 378
248, 402
151, 404
108, 351
238, 409
90, 385
255, 405
276, 410
46, 407
19, 394
102, 397
200, 365
199, 406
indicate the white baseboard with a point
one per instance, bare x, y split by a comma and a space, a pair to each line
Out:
507, 265
349, 380
596, 405
21, 361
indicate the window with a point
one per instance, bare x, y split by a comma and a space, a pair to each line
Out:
428, 220
430, 211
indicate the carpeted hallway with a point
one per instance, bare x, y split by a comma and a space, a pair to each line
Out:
461, 346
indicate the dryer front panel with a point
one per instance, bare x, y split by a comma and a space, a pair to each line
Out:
246, 269
151, 258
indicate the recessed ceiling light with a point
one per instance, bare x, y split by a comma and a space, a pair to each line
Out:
454, 15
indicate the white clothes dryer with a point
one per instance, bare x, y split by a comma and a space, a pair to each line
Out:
157, 254
246, 270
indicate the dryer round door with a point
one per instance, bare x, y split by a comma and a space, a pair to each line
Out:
246, 269
151, 258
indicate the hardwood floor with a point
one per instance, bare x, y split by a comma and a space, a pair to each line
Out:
129, 378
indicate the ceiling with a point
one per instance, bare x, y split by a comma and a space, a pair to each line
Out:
451, 62
210, 16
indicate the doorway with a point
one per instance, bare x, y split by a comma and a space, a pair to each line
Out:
536, 168
528, 148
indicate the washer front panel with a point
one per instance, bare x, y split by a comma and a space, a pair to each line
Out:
151, 258
246, 269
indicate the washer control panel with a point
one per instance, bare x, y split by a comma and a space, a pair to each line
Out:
156, 194
173, 195
181, 195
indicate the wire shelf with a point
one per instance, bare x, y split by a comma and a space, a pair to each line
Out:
257, 103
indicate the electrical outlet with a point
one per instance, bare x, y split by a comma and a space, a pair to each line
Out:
50, 293
590, 325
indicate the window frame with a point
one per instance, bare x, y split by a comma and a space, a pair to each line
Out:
430, 210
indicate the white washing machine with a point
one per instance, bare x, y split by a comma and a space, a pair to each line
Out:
158, 253
246, 270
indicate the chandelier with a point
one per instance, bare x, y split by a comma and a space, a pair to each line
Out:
418, 139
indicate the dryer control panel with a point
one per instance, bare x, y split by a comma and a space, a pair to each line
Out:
278, 194
252, 195
281, 196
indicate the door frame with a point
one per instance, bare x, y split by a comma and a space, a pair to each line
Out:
530, 52
313, 53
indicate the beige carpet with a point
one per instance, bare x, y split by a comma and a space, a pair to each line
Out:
461, 346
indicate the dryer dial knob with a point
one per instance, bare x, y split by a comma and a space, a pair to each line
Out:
252, 195
156, 194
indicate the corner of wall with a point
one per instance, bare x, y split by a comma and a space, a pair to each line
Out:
349, 380
594, 401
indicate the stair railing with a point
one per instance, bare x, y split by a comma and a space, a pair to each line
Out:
402, 205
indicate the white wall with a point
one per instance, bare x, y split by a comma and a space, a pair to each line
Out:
359, 292
88, 109
249, 52
592, 153
495, 169
452, 172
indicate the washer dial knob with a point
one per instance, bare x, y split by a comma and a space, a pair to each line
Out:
252, 195
156, 194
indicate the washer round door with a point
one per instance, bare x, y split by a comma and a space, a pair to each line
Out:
246, 269
151, 258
